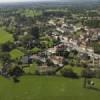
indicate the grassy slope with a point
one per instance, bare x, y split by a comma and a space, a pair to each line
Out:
5, 36
16, 53
46, 88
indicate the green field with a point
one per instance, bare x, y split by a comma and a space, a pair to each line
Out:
31, 13
5, 36
16, 54
47, 88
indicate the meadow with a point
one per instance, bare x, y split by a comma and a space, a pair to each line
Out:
5, 36
47, 88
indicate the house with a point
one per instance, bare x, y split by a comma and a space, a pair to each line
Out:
64, 39
55, 33
45, 70
64, 25
38, 58
99, 36
84, 56
52, 50
26, 59
25, 33
51, 22
90, 50
60, 29
82, 48
94, 37
57, 60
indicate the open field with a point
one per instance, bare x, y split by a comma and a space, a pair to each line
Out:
5, 36
47, 88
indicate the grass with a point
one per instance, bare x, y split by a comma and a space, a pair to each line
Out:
31, 13
47, 88
5, 36
16, 53
31, 69
35, 50
76, 69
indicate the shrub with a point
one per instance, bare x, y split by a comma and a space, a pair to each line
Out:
8, 46
68, 72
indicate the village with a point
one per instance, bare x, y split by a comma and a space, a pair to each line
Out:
50, 49
59, 39
69, 43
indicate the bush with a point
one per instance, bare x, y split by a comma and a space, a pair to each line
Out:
37, 72
35, 50
17, 71
8, 46
68, 72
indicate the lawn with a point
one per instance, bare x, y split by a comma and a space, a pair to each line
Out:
47, 88
5, 36
76, 69
30, 69
16, 53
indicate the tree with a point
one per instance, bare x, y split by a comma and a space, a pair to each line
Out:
16, 71
8, 46
35, 32
5, 57
27, 41
68, 72
46, 42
